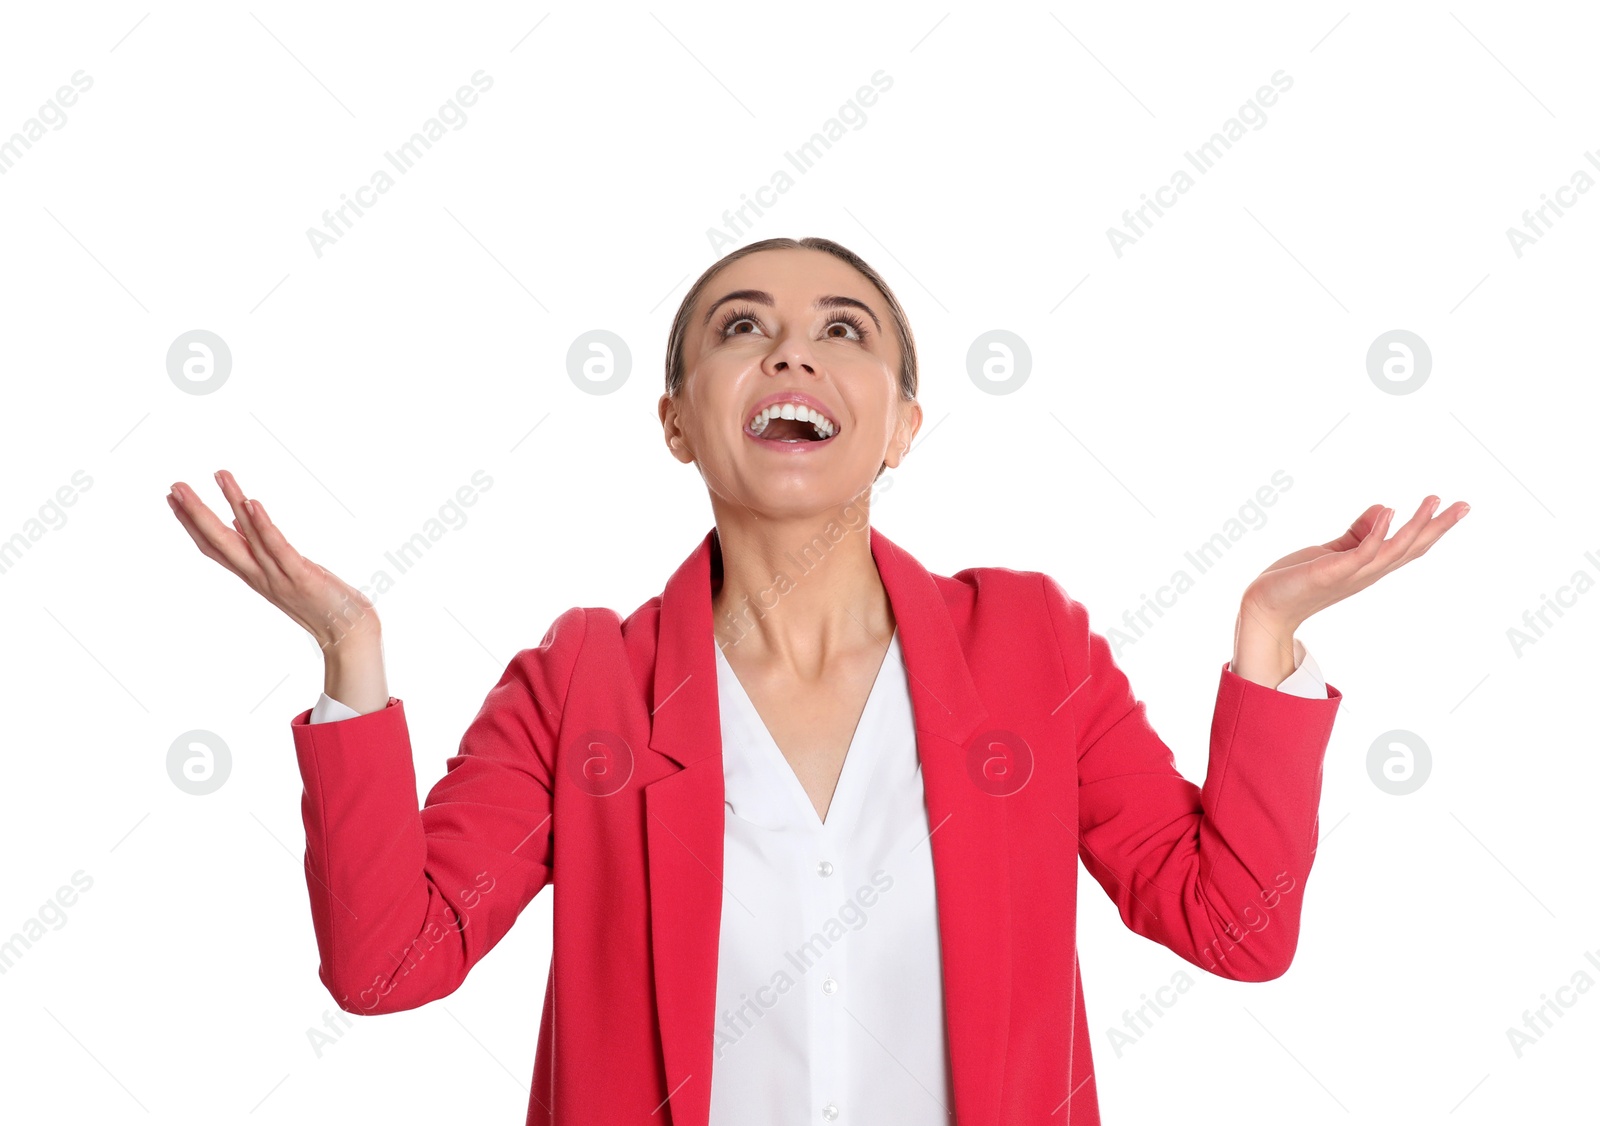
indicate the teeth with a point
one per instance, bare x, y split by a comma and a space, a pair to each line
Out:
819, 422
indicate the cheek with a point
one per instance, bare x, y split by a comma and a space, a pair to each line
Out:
709, 406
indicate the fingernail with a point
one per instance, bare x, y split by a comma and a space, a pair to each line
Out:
1466, 508
250, 507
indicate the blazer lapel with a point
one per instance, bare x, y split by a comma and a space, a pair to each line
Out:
968, 835
684, 832
685, 825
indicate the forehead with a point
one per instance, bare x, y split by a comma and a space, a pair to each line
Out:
792, 276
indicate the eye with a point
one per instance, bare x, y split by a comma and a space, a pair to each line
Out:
745, 322
735, 317
858, 331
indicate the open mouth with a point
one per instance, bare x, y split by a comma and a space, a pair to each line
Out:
791, 423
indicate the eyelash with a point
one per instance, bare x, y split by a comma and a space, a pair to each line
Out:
734, 316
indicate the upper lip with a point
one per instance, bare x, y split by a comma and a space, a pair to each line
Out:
799, 397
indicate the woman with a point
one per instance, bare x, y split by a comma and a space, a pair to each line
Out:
824, 868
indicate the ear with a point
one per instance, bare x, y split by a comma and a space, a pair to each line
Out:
910, 423
671, 432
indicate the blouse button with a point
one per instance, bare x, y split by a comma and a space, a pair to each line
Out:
825, 869
830, 1112
830, 986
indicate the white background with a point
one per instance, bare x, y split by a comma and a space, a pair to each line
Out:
370, 383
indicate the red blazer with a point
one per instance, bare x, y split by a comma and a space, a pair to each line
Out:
595, 765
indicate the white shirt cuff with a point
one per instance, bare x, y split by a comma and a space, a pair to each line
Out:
1306, 679
329, 710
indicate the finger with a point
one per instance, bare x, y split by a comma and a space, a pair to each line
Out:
1342, 566
236, 557
1362, 555
1398, 549
1367, 520
1357, 531
277, 546
248, 524
213, 537
1433, 529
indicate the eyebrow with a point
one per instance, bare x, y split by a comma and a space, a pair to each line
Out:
762, 297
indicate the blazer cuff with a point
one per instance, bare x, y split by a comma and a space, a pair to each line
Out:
329, 710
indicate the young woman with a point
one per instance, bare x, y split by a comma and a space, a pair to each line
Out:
813, 814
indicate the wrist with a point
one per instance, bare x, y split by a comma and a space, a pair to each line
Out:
353, 646
361, 631
353, 671
1263, 647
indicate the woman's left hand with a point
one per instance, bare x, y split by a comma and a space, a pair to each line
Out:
1298, 585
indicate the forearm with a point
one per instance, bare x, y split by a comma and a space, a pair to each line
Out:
385, 898
353, 671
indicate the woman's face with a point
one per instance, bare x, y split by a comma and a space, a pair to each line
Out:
771, 324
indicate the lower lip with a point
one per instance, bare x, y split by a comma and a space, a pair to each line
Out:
790, 447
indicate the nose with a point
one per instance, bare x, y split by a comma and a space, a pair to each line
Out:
790, 350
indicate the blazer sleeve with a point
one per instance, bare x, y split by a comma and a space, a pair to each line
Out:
404, 902
1215, 873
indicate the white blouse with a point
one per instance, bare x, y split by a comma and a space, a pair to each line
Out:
830, 1004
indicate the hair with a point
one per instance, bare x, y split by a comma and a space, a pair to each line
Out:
902, 326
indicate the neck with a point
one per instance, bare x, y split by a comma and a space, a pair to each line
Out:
796, 592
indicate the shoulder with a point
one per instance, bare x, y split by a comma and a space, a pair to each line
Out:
583, 629
1003, 591
1003, 610
584, 643
544, 672
596, 644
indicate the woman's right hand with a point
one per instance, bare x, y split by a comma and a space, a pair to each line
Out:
325, 606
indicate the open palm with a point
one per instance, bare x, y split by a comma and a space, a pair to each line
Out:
1313, 578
